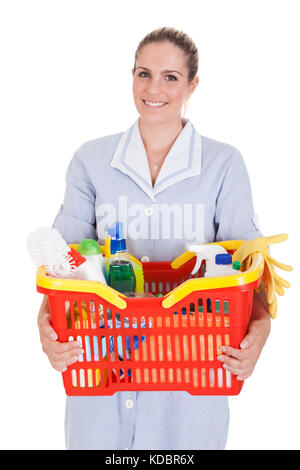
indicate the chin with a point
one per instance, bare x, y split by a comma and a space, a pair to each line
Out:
155, 119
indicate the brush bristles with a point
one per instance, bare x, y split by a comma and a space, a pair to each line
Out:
46, 246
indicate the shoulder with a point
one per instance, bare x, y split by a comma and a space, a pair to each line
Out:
221, 152
219, 158
98, 151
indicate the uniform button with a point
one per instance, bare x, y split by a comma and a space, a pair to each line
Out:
145, 259
149, 211
129, 403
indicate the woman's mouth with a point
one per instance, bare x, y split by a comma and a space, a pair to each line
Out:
154, 104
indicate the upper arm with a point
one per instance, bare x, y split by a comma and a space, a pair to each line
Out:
234, 216
76, 219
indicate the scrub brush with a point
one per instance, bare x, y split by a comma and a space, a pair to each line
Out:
67, 266
47, 248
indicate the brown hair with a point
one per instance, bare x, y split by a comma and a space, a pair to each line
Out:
179, 39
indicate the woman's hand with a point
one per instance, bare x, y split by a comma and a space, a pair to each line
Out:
59, 354
241, 362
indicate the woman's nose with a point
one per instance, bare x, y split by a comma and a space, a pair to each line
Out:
154, 86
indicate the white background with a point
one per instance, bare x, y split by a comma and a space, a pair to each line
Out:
66, 78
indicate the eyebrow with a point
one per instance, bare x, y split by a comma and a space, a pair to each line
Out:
164, 71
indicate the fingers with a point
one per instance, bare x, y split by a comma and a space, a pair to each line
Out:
60, 355
61, 360
45, 326
241, 361
237, 361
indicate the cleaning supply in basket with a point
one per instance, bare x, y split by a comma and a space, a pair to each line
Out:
272, 282
90, 249
225, 265
218, 261
121, 275
47, 248
136, 264
139, 276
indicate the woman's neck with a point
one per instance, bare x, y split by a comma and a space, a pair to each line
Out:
159, 138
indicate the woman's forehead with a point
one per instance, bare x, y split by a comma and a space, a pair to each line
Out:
161, 56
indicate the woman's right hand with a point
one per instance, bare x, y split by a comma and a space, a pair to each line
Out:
59, 354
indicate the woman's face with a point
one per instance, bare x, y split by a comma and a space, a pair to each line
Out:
160, 83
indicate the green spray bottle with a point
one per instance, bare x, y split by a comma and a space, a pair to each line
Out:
121, 275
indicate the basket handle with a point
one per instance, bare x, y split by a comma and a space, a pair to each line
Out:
77, 285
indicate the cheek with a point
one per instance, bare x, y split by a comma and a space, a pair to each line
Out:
176, 95
136, 88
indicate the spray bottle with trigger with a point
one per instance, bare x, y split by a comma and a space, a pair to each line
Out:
218, 261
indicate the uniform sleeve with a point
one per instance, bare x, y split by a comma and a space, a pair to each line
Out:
76, 219
234, 216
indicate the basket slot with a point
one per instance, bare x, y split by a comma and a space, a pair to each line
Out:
74, 378
121, 348
80, 323
99, 316
88, 355
79, 339
203, 377
228, 379
96, 348
85, 307
193, 348
68, 315
195, 381
211, 377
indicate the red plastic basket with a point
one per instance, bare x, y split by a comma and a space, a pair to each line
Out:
146, 345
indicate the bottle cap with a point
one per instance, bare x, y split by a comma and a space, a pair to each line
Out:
89, 247
117, 242
223, 258
236, 265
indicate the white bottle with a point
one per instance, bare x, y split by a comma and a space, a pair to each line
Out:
95, 265
224, 266
209, 254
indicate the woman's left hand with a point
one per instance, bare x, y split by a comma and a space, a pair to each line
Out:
241, 362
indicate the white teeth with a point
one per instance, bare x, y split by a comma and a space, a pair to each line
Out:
158, 103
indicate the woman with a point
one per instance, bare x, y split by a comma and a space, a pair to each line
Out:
168, 185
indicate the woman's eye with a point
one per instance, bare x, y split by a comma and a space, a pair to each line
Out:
171, 78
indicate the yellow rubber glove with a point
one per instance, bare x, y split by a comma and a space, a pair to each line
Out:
272, 282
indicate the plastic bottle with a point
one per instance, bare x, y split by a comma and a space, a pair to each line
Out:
218, 261
121, 275
136, 264
225, 266
94, 269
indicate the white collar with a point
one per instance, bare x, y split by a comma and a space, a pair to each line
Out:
182, 161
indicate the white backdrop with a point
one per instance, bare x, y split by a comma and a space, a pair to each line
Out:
66, 78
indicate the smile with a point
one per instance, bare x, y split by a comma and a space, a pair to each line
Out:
155, 104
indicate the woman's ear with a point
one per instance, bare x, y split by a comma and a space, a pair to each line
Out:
193, 87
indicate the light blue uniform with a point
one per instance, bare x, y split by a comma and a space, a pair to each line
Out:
202, 194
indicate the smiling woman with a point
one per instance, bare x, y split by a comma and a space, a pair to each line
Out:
156, 86
164, 78
168, 185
